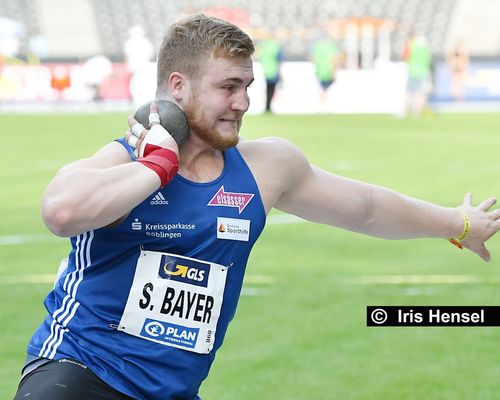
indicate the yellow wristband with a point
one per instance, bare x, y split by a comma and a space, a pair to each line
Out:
465, 233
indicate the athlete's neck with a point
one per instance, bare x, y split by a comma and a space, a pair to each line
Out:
199, 162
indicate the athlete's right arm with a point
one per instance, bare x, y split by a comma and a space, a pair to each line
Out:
96, 191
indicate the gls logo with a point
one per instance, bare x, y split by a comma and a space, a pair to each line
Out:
184, 270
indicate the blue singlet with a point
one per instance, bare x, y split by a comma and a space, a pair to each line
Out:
179, 303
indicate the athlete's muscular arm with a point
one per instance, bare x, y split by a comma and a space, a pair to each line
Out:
320, 196
96, 191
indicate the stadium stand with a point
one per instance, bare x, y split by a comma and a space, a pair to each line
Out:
105, 23
70, 29
24, 11
430, 17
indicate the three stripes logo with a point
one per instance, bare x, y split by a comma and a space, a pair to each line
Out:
158, 200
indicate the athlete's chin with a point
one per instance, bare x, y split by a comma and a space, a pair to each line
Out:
224, 142
228, 137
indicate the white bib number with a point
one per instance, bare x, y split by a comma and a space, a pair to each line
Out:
175, 301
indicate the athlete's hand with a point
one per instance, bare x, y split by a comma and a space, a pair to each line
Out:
483, 225
139, 137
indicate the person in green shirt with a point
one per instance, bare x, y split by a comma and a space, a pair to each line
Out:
270, 56
418, 57
324, 55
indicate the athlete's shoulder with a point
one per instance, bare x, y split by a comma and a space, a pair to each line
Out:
274, 160
272, 147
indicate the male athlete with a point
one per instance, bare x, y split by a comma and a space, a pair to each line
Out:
160, 240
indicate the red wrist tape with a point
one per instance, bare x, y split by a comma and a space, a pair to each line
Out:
162, 161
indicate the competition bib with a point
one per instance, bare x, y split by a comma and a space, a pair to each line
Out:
175, 301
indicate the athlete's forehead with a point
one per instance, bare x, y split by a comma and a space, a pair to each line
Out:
237, 70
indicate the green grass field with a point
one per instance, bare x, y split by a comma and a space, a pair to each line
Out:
300, 332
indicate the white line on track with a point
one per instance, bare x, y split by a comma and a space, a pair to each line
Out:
22, 279
253, 291
49, 278
28, 238
259, 279
268, 279
420, 279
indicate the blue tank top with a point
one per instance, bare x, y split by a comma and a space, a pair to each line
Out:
176, 305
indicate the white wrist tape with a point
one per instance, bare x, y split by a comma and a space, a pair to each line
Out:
156, 135
154, 117
137, 129
132, 141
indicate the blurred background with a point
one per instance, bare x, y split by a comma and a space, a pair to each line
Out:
380, 56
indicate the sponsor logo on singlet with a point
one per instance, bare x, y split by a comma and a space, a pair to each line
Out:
158, 200
184, 270
230, 199
173, 230
170, 333
233, 229
136, 225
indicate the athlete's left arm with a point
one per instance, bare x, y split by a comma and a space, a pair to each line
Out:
320, 196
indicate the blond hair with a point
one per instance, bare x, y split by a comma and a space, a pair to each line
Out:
191, 41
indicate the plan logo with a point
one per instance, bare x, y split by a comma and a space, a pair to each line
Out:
231, 199
170, 333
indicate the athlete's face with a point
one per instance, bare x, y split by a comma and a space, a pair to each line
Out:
218, 101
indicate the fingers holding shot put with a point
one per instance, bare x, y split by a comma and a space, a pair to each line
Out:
135, 133
154, 115
131, 139
138, 136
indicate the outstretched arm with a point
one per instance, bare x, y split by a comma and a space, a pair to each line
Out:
319, 196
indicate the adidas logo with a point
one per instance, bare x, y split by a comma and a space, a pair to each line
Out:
158, 200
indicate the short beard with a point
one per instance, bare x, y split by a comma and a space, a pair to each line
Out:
197, 125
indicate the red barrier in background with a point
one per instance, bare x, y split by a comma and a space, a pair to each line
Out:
35, 83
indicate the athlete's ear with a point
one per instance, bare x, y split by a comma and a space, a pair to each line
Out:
177, 85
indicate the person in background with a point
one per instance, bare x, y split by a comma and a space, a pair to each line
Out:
458, 63
38, 49
269, 54
325, 56
95, 71
418, 58
138, 52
